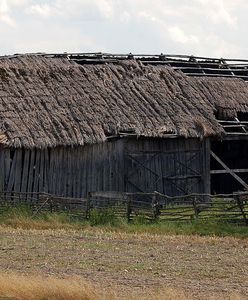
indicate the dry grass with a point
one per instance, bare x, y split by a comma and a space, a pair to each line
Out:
133, 265
19, 217
19, 287
39, 224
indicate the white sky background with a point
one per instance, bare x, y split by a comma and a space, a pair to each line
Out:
199, 27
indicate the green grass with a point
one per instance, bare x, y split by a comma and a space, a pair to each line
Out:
21, 217
203, 228
103, 217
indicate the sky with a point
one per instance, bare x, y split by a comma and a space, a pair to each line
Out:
213, 28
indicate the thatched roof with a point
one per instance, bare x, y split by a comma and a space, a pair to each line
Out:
227, 96
46, 102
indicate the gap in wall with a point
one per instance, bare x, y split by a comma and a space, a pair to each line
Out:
234, 153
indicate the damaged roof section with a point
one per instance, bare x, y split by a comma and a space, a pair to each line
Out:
48, 101
228, 96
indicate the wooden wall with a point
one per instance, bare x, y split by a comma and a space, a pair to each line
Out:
63, 171
171, 166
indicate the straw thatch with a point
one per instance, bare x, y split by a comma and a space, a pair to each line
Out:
46, 102
226, 96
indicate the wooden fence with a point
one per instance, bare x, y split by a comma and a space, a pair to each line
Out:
152, 206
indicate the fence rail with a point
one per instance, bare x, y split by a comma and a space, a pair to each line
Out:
152, 206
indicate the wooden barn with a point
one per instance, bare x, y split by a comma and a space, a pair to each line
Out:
71, 124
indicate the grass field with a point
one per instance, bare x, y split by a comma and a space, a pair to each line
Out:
54, 257
130, 265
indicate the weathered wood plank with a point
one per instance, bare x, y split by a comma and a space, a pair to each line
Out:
24, 184
42, 171
7, 163
31, 171
2, 169
18, 170
51, 176
227, 172
11, 178
37, 171
46, 170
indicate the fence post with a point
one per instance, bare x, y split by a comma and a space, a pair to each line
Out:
129, 208
39, 208
88, 202
241, 207
195, 207
155, 207
51, 204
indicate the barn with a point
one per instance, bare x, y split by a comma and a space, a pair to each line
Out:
76, 123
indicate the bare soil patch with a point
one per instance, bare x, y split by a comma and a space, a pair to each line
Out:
131, 264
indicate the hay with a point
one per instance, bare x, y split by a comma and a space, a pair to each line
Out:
227, 96
48, 102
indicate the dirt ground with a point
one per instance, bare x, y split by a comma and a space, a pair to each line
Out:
142, 264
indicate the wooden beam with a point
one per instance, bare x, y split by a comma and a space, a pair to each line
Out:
205, 149
235, 136
231, 172
108, 194
225, 171
182, 177
232, 122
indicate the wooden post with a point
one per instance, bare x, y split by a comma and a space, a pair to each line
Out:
206, 169
241, 207
195, 207
51, 204
155, 207
129, 208
88, 204
45, 201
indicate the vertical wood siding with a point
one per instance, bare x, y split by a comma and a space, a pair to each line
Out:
63, 171
172, 166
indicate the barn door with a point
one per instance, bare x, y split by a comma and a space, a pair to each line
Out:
164, 170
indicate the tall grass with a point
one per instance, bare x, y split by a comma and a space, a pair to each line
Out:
103, 217
21, 217
19, 287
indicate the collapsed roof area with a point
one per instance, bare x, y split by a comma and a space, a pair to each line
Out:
188, 64
73, 99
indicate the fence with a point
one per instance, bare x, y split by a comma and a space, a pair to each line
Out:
43, 202
152, 206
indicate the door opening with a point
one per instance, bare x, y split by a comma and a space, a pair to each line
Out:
233, 154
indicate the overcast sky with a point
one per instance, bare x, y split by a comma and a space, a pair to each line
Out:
200, 27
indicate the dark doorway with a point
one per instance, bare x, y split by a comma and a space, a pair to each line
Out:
234, 153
